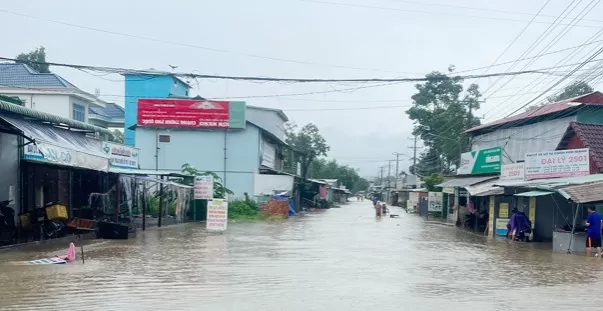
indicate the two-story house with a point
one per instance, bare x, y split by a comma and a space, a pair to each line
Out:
50, 93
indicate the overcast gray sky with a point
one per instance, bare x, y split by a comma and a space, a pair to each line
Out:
309, 39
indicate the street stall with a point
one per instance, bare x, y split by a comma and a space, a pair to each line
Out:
59, 163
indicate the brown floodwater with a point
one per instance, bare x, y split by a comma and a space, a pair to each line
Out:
338, 259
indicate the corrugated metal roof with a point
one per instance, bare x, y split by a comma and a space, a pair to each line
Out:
552, 108
534, 193
21, 75
132, 171
465, 181
552, 182
76, 141
583, 193
45, 117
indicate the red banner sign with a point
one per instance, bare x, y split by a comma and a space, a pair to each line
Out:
183, 113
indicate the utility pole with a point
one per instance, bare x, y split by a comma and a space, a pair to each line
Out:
414, 153
381, 178
397, 154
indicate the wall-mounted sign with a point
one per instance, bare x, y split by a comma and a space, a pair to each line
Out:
481, 161
435, 202
189, 113
503, 210
513, 171
120, 155
559, 163
204, 187
217, 215
268, 154
501, 226
50, 153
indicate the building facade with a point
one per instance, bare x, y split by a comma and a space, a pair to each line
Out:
147, 86
537, 130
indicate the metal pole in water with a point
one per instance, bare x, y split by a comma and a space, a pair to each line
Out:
82, 247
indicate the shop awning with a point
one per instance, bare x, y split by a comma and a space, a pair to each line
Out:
583, 193
139, 172
486, 188
59, 146
534, 193
463, 182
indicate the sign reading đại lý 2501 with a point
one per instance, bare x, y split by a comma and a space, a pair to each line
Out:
190, 113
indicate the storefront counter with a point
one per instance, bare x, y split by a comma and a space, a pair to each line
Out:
561, 242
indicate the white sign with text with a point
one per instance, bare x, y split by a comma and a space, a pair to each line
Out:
513, 171
559, 163
217, 215
204, 187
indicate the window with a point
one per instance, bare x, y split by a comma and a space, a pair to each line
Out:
162, 138
79, 113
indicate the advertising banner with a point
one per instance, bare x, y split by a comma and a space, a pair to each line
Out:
46, 152
217, 215
435, 202
120, 155
559, 163
513, 171
501, 226
189, 113
204, 187
481, 161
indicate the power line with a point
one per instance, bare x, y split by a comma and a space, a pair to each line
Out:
207, 48
433, 13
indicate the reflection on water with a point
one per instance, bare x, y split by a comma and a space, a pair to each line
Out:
340, 259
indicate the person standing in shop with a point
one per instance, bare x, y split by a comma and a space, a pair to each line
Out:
593, 230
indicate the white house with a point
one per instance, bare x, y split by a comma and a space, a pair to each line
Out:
50, 93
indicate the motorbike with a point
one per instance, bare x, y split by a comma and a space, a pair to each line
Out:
46, 228
8, 227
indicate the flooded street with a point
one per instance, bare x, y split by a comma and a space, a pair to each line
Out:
339, 259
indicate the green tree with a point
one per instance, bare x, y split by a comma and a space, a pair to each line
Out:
116, 136
35, 59
308, 142
219, 190
323, 169
360, 184
573, 90
431, 182
442, 111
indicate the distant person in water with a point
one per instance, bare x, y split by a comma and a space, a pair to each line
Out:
378, 209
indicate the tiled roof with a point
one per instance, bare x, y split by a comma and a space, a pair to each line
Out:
591, 136
556, 107
21, 75
110, 110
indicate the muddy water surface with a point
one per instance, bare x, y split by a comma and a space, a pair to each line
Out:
339, 259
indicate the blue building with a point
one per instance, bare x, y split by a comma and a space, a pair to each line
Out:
148, 86
249, 157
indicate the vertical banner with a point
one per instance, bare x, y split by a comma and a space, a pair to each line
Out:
204, 187
491, 228
217, 215
532, 215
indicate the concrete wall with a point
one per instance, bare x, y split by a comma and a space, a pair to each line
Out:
529, 138
145, 86
204, 149
269, 120
58, 105
9, 170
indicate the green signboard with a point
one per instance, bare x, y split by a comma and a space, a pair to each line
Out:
481, 161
